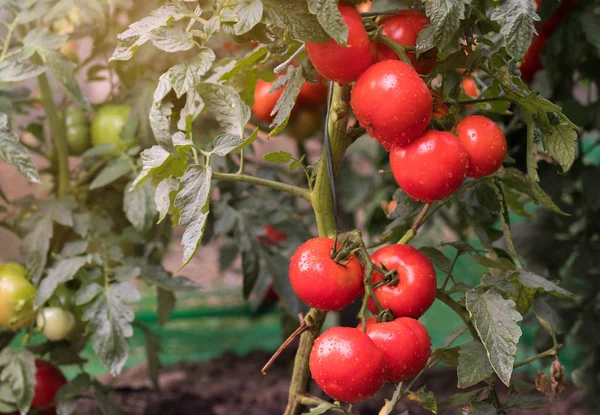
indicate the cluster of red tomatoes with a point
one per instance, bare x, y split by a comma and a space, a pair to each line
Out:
395, 106
348, 364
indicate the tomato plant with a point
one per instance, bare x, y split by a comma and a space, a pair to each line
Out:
108, 124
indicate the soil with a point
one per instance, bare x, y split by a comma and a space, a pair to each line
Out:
234, 385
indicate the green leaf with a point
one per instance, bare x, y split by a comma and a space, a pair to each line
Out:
249, 13
41, 38
293, 17
482, 408
330, 19
171, 39
516, 19
561, 145
17, 370
165, 305
246, 62
160, 123
498, 263
156, 275
159, 164
13, 71
227, 107
426, 399
152, 353
293, 79
226, 143
65, 72
278, 157
36, 243
62, 271
139, 206
193, 200
531, 280
321, 409
463, 398
438, 259
114, 170
165, 196
188, 74
445, 17
473, 365
495, 319
488, 198
15, 153
68, 396
109, 318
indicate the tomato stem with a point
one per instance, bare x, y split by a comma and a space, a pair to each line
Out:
305, 324
283, 187
396, 47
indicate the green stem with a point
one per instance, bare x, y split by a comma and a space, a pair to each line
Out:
6, 45
458, 309
547, 353
480, 100
322, 202
396, 47
283, 187
57, 131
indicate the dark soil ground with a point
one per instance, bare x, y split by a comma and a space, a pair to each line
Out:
233, 385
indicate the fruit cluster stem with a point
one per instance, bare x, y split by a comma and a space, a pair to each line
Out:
322, 202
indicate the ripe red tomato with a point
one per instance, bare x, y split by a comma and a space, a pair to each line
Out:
344, 64
264, 101
272, 236
417, 282
405, 344
470, 87
347, 365
431, 167
48, 380
392, 103
404, 28
485, 144
313, 95
440, 110
321, 282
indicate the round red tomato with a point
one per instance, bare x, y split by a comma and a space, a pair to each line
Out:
485, 144
321, 282
344, 64
404, 28
470, 87
417, 282
392, 103
48, 380
347, 365
431, 167
405, 344
264, 101
313, 95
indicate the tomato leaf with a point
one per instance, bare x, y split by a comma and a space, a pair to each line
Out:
156, 275
139, 206
62, 271
293, 17
171, 39
294, 79
159, 164
249, 13
495, 319
246, 62
227, 107
278, 157
114, 170
193, 200
15, 153
463, 397
482, 408
188, 74
473, 364
152, 353
561, 145
548, 318
330, 19
68, 396
445, 16
164, 197
516, 19
12, 71
165, 305
438, 259
531, 280
64, 70
160, 123
426, 399
17, 374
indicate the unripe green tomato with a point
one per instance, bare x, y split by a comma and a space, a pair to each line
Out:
55, 323
108, 124
16, 297
304, 124
78, 131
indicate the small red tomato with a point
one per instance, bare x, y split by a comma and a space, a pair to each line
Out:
431, 167
344, 64
440, 110
404, 28
485, 144
417, 282
405, 344
272, 236
313, 95
347, 365
48, 380
392, 103
264, 101
470, 87
321, 282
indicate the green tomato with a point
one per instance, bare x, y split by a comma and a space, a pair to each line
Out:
13, 268
16, 298
55, 323
78, 131
108, 124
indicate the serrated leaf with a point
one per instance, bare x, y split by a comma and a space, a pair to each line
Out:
36, 243
159, 163
246, 62
445, 17
495, 319
426, 399
193, 201
64, 70
330, 19
165, 305
109, 318
62, 271
294, 79
139, 207
114, 170
227, 107
462, 398
171, 39
41, 38
226, 143
69, 394
498, 263
438, 259
531, 280
15, 153
88, 293
488, 198
278, 157
165, 196
156, 275
293, 17
473, 364
561, 145
524, 184
516, 20
188, 74
13, 71
18, 371
249, 13
548, 318
160, 123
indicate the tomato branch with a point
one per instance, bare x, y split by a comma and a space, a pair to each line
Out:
458, 309
283, 187
547, 353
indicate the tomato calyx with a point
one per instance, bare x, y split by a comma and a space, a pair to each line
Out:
390, 277
398, 49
